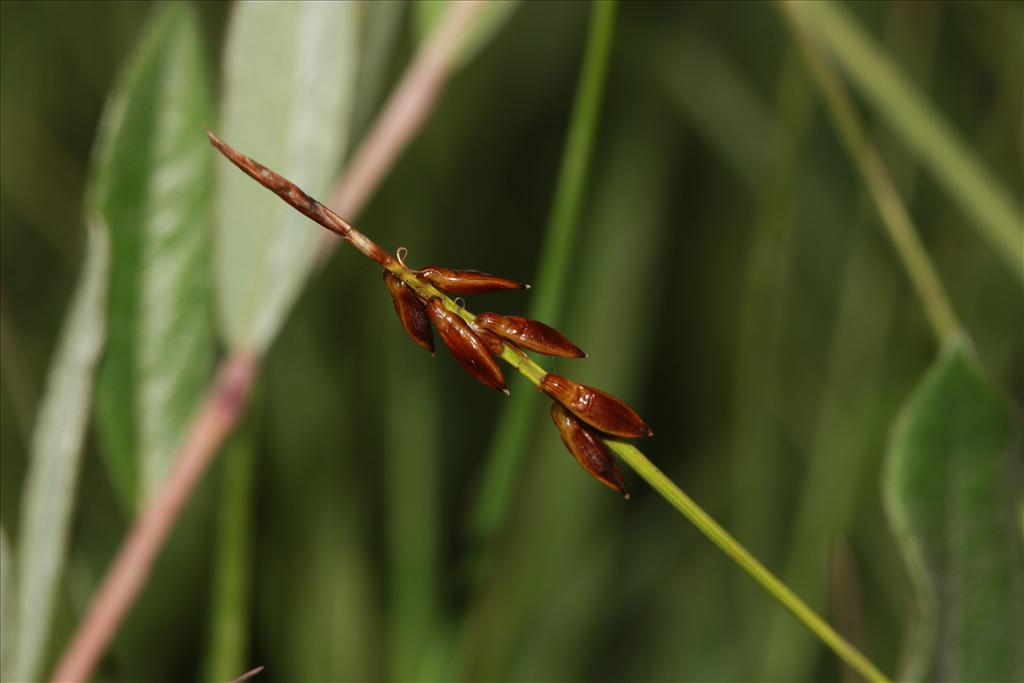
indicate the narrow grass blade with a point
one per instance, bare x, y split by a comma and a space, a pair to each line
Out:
427, 14
989, 205
743, 559
951, 492
49, 492
553, 276
289, 89
227, 640
151, 184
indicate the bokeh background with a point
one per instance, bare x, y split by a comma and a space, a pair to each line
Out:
729, 277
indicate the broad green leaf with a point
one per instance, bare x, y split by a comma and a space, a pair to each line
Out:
49, 492
427, 14
7, 601
289, 81
951, 488
151, 185
878, 77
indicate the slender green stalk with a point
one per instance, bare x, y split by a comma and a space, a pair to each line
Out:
895, 218
510, 437
731, 547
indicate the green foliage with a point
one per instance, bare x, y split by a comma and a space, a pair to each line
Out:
952, 488
49, 490
151, 185
288, 95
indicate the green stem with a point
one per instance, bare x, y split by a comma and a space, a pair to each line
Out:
731, 547
895, 218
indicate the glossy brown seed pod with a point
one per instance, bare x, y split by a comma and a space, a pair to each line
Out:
588, 449
598, 409
466, 346
411, 311
466, 281
530, 334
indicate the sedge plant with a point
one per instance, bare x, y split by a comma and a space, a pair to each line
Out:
592, 424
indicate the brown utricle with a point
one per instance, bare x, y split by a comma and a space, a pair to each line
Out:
466, 282
529, 334
588, 449
467, 348
595, 407
412, 312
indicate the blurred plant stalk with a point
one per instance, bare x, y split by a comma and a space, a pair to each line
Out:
402, 116
896, 219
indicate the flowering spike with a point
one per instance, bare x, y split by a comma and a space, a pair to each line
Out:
466, 281
588, 450
470, 352
529, 334
598, 409
411, 311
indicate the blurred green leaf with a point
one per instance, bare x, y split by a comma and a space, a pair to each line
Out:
427, 14
7, 601
151, 185
289, 85
950, 489
49, 491
921, 126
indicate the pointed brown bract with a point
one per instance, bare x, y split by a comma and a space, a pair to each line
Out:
466, 346
411, 311
598, 409
588, 449
299, 200
529, 334
466, 281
